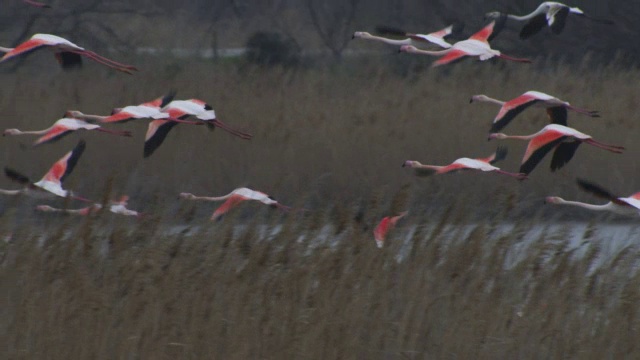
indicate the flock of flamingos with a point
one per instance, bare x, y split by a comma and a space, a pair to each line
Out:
164, 113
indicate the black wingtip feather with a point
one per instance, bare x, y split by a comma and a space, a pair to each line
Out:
73, 159
563, 153
595, 189
16, 176
498, 26
533, 26
501, 154
168, 98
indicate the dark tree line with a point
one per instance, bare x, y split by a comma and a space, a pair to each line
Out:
321, 24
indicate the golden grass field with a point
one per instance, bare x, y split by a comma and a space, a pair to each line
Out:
330, 139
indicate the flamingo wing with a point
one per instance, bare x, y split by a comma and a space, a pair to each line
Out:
162, 101
122, 116
227, 205
490, 31
16, 176
510, 110
533, 26
68, 60
56, 133
499, 155
63, 167
557, 18
380, 231
156, 133
599, 191
450, 57
25, 48
538, 147
557, 115
563, 153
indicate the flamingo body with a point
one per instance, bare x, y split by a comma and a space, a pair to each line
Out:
384, 226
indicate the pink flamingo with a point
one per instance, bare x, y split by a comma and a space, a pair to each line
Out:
234, 198
436, 37
476, 45
385, 225
159, 127
619, 205
117, 207
61, 128
181, 109
51, 183
481, 164
549, 13
556, 108
67, 53
564, 139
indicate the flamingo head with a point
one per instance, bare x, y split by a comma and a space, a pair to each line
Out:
187, 196
360, 34
115, 111
407, 48
476, 98
492, 15
74, 114
44, 208
11, 132
411, 164
552, 200
499, 136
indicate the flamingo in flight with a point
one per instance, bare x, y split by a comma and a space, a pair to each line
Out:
556, 108
51, 182
481, 164
234, 198
117, 207
386, 224
182, 109
476, 45
68, 54
563, 139
36, 4
619, 205
436, 37
61, 128
549, 13
159, 127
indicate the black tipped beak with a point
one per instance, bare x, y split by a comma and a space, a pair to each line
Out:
470, 101
353, 36
403, 164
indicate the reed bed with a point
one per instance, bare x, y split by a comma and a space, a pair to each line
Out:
479, 269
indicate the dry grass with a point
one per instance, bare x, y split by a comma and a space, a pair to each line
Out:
331, 140
95, 289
